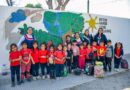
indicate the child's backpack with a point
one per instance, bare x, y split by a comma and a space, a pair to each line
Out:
89, 69
65, 72
98, 70
124, 64
77, 71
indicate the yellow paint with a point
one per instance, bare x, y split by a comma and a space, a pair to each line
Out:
92, 23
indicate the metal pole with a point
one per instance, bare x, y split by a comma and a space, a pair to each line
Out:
88, 6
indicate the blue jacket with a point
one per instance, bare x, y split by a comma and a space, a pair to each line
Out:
98, 40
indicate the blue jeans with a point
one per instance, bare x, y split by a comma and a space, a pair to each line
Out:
35, 69
15, 70
59, 69
117, 62
43, 67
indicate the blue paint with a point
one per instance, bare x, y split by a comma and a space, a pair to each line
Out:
17, 16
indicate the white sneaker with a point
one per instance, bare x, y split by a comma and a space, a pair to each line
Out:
57, 78
72, 71
43, 77
34, 78
115, 69
48, 76
38, 77
118, 70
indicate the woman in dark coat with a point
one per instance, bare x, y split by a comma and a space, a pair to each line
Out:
100, 36
88, 38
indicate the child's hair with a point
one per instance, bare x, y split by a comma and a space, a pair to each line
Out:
74, 41
52, 46
35, 42
60, 45
65, 46
108, 41
69, 44
13, 44
85, 42
67, 36
44, 44
81, 45
24, 43
118, 43
101, 41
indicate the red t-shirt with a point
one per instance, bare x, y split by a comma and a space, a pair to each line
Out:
51, 54
14, 55
101, 50
118, 52
59, 55
43, 53
94, 48
88, 51
82, 53
35, 55
25, 54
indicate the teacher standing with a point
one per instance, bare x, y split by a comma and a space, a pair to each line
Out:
100, 36
28, 38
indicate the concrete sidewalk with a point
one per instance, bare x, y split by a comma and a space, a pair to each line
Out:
64, 83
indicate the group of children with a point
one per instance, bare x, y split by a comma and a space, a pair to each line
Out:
27, 63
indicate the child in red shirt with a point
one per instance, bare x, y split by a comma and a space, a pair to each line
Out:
85, 44
59, 60
94, 50
26, 62
118, 53
14, 58
89, 55
101, 54
43, 57
81, 61
35, 56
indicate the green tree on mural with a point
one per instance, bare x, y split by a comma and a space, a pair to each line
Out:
60, 23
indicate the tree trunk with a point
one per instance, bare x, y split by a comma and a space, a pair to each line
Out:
9, 2
49, 3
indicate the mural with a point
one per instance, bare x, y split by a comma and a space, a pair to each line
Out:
57, 24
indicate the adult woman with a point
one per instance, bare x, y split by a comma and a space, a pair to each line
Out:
87, 37
28, 38
100, 36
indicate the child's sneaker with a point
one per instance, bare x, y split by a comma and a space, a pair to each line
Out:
34, 78
57, 78
118, 70
38, 77
18, 83
72, 71
115, 69
13, 85
22, 81
43, 77
29, 79
48, 76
